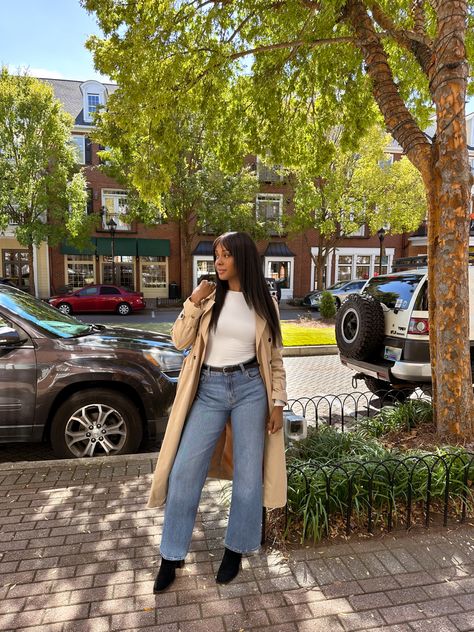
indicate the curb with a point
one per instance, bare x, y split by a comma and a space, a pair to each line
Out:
310, 350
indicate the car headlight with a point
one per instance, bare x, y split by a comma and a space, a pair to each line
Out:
164, 359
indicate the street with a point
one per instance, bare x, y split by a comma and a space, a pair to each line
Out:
169, 315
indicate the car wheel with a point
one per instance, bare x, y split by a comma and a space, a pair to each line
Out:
124, 309
386, 392
65, 308
360, 326
96, 422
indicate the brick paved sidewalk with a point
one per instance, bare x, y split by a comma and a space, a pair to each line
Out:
79, 553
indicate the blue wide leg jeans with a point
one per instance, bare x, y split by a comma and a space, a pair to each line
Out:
242, 396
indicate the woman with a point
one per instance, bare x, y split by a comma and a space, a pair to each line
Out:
232, 385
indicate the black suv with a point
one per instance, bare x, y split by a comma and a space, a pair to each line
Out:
89, 389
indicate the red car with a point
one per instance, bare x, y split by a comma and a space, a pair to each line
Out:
99, 298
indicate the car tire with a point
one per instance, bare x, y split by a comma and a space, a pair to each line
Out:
386, 392
124, 309
360, 326
96, 422
65, 308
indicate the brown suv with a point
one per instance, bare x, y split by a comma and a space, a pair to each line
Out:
89, 389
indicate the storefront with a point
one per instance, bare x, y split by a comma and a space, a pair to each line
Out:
138, 264
279, 265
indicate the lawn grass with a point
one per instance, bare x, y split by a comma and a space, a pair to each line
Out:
294, 335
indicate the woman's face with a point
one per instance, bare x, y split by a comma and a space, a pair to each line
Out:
225, 267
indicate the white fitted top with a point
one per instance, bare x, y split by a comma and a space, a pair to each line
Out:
233, 340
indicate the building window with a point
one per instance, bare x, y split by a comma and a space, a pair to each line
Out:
16, 267
384, 265
344, 268
362, 266
124, 271
154, 272
268, 174
79, 270
280, 271
79, 143
269, 210
205, 270
115, 203
93, 101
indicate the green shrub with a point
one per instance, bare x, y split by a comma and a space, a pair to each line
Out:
351, 464
327, 306
406, 416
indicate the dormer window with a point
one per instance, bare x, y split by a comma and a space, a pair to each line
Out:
94, 95
93, 100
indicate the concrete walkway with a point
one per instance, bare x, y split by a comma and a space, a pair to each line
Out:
79, 553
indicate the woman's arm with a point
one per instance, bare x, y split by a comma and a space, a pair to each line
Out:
185, 327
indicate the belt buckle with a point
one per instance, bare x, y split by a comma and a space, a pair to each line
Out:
225, 370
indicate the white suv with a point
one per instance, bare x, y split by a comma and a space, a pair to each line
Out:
383, 333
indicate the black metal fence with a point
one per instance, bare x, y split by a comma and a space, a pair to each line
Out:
384, 492
343, 410
401, 490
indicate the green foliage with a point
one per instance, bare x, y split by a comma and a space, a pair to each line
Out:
186, 186
327, 306
40, 189
347, 462
414, 412
267, 80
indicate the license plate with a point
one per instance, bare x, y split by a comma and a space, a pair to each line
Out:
392, 353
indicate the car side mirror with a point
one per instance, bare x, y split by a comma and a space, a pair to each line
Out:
9, 337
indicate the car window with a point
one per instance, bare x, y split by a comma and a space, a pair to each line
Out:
354, 286
41, 314
421, 301
87, 291
337, 286
109, 290
393, 291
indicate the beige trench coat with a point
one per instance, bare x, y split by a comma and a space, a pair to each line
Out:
191, 328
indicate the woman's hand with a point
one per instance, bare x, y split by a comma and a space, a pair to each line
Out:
275, 421
203, 290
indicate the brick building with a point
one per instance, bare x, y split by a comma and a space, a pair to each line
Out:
148, 259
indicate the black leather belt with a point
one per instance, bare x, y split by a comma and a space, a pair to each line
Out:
250, 364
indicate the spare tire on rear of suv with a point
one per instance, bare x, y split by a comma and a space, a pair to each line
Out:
360, 326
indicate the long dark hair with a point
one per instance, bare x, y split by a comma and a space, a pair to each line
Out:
252, 282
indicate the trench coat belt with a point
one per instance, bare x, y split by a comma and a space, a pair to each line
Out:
249, 364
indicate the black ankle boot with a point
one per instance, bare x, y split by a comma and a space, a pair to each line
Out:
229, 568
166, 574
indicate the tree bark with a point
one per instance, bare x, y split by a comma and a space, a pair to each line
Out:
448, 227
444, 167
186, 260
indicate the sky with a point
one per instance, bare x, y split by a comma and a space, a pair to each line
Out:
47, 37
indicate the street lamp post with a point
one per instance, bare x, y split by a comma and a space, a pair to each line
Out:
381, 236
112, 226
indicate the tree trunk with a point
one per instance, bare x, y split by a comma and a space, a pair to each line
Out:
32, 280
186, 261
448, 229
444, 167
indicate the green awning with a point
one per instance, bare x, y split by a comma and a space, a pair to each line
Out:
154, 247
122, 247
68, 249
